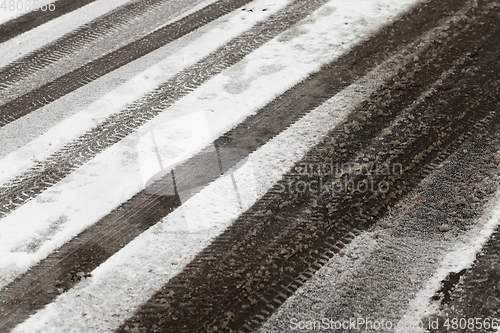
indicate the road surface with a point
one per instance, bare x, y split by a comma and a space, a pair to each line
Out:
250, 166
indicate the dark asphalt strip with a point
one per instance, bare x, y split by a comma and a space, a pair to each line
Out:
33, 19
91, 71
278, 244
95, 245
87, 251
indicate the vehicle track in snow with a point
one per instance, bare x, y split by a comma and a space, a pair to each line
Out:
100, 241
472, 293
32, 182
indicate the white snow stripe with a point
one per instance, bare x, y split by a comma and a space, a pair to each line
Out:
116, 288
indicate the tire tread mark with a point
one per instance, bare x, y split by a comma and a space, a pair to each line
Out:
256, 242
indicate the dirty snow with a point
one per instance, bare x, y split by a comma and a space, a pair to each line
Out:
460, 257
390, 272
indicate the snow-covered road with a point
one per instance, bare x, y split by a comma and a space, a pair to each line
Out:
93, 153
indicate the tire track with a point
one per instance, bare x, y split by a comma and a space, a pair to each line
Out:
31, 20
36, 288
91, 71
116, 22
239, 280
116, 127
478, 293
399, 246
